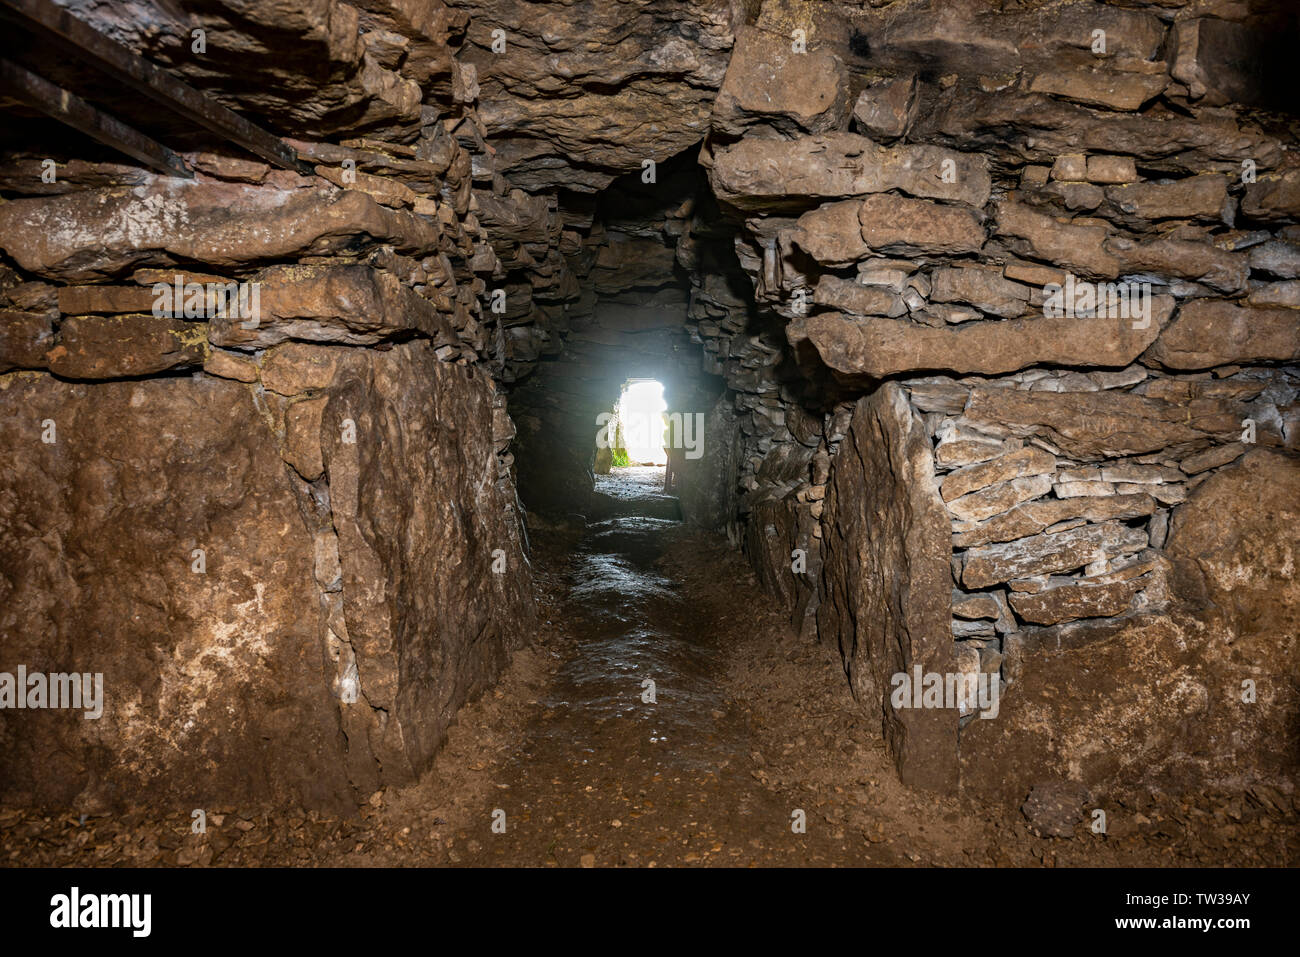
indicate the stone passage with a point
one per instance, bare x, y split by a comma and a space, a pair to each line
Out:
978, 326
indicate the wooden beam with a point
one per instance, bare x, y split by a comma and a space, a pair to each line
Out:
75, 112
51, 22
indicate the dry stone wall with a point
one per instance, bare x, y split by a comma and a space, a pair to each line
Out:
991, 313
288, 538
345, 462
1059, 246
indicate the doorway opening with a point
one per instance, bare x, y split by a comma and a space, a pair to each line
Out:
632, 465
641, 424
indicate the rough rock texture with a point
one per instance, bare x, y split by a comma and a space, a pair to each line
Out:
576, 95
214, 683
90, 235
887, 580
1210, 334
708, 495
750, 96
428, 618
232, 683
992, 331
760, 174
879, 348
1158, 700
1075, 266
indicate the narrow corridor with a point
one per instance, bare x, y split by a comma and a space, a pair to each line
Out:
750, 731
637, 753
569, 763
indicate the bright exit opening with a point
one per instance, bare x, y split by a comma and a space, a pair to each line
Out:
641, 410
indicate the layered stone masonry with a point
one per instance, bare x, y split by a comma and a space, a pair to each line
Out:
1060, 487
402, 291
360, 368
1072, 231
879, 269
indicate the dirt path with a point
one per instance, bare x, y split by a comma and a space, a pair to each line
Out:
638, 755
747, 727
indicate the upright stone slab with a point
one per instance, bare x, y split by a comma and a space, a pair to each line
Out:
157, 540
419, 517
888, 581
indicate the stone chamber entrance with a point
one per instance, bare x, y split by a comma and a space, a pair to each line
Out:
968, 539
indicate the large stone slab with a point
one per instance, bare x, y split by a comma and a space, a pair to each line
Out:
880, 347
1093, 425
763, 174
1111, 89
1079, 247
983, 287
987, 502
707, 491
1049, 553
775, 528
1194, 197
1175, 140
888, 108
102, 233
1215, 332
323, 639
349, 304
1033, 517
119, 347
1073, 600
856, 298
418, 513
1183, 259
887, 602
768, 83
896, 224
1012, 465
216, 684
832, 234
